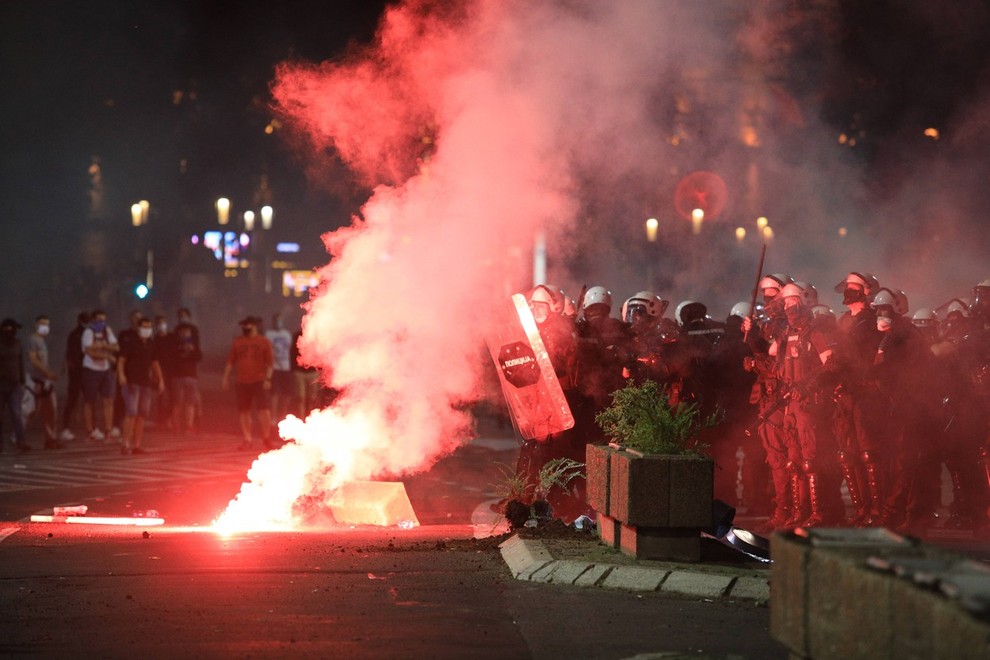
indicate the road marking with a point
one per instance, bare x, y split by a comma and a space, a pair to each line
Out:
105, 470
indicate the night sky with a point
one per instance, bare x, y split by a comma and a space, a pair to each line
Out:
171, 99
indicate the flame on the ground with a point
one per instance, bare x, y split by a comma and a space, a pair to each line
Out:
324, 452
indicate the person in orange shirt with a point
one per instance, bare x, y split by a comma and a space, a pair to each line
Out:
252, 361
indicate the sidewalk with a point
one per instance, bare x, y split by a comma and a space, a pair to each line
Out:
582, 560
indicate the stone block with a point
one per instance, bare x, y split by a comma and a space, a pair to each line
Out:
597, 464
662, 543
593, 575
372, 503
848, 608
750, 588
956, 633
789, 595
608, 530
544, 573
568, 571
634, 578
524, 556
640, 489
660, 490
691, 490
699, 585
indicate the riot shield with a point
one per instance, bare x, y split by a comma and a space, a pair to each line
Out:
532, 391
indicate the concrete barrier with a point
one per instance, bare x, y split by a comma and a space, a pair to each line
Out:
870, 593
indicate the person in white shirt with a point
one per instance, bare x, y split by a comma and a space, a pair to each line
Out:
283, 382
100, 349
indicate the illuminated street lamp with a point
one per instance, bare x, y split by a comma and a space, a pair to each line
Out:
652, 224
139, 217
248, 220
768, 233
223, 210
697, 217
267, 213
139, 213
740, 234
762, 222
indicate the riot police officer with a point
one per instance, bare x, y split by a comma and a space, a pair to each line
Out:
650, 334
857, 400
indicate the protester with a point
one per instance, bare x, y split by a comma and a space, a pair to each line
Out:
74, 370
100, 350
283, 382
140, 376
183, 360
12, 383
251, 361
43, 381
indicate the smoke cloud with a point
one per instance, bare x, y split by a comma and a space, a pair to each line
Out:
480, 125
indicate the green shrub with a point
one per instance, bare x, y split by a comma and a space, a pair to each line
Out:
641, 418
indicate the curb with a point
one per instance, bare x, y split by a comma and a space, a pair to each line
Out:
529, 559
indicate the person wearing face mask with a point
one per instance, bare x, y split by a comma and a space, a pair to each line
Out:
251, 361
759, 331
43, 379
905, 375
546, 302
650, 336
74, 368
858, 403
601, 342
124, 337
966, 356
801, 353
558, 333
100, 350
12, 383
140, 376
162, 403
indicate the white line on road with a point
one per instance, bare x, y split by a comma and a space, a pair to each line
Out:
7, 531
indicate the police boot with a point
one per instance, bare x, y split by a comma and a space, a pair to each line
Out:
781, 501
875, 486
798, 498
815, 518
961, 515
854, 485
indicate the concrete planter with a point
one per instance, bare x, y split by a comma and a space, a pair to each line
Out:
650, 506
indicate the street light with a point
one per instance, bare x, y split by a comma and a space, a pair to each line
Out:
267, 213
652, 224
139, 213
740, 234
223, 210
697, 217
249, 221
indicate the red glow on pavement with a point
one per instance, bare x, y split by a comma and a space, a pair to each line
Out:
99, 520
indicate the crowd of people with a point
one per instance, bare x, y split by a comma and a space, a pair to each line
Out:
873, 398
145, 373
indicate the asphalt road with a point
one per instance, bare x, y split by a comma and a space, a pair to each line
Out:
182, 590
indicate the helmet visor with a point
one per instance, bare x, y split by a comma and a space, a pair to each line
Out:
636, 313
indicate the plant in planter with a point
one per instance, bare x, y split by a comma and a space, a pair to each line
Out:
524, 500
515, 492
642, 419
557, 472
652, 487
